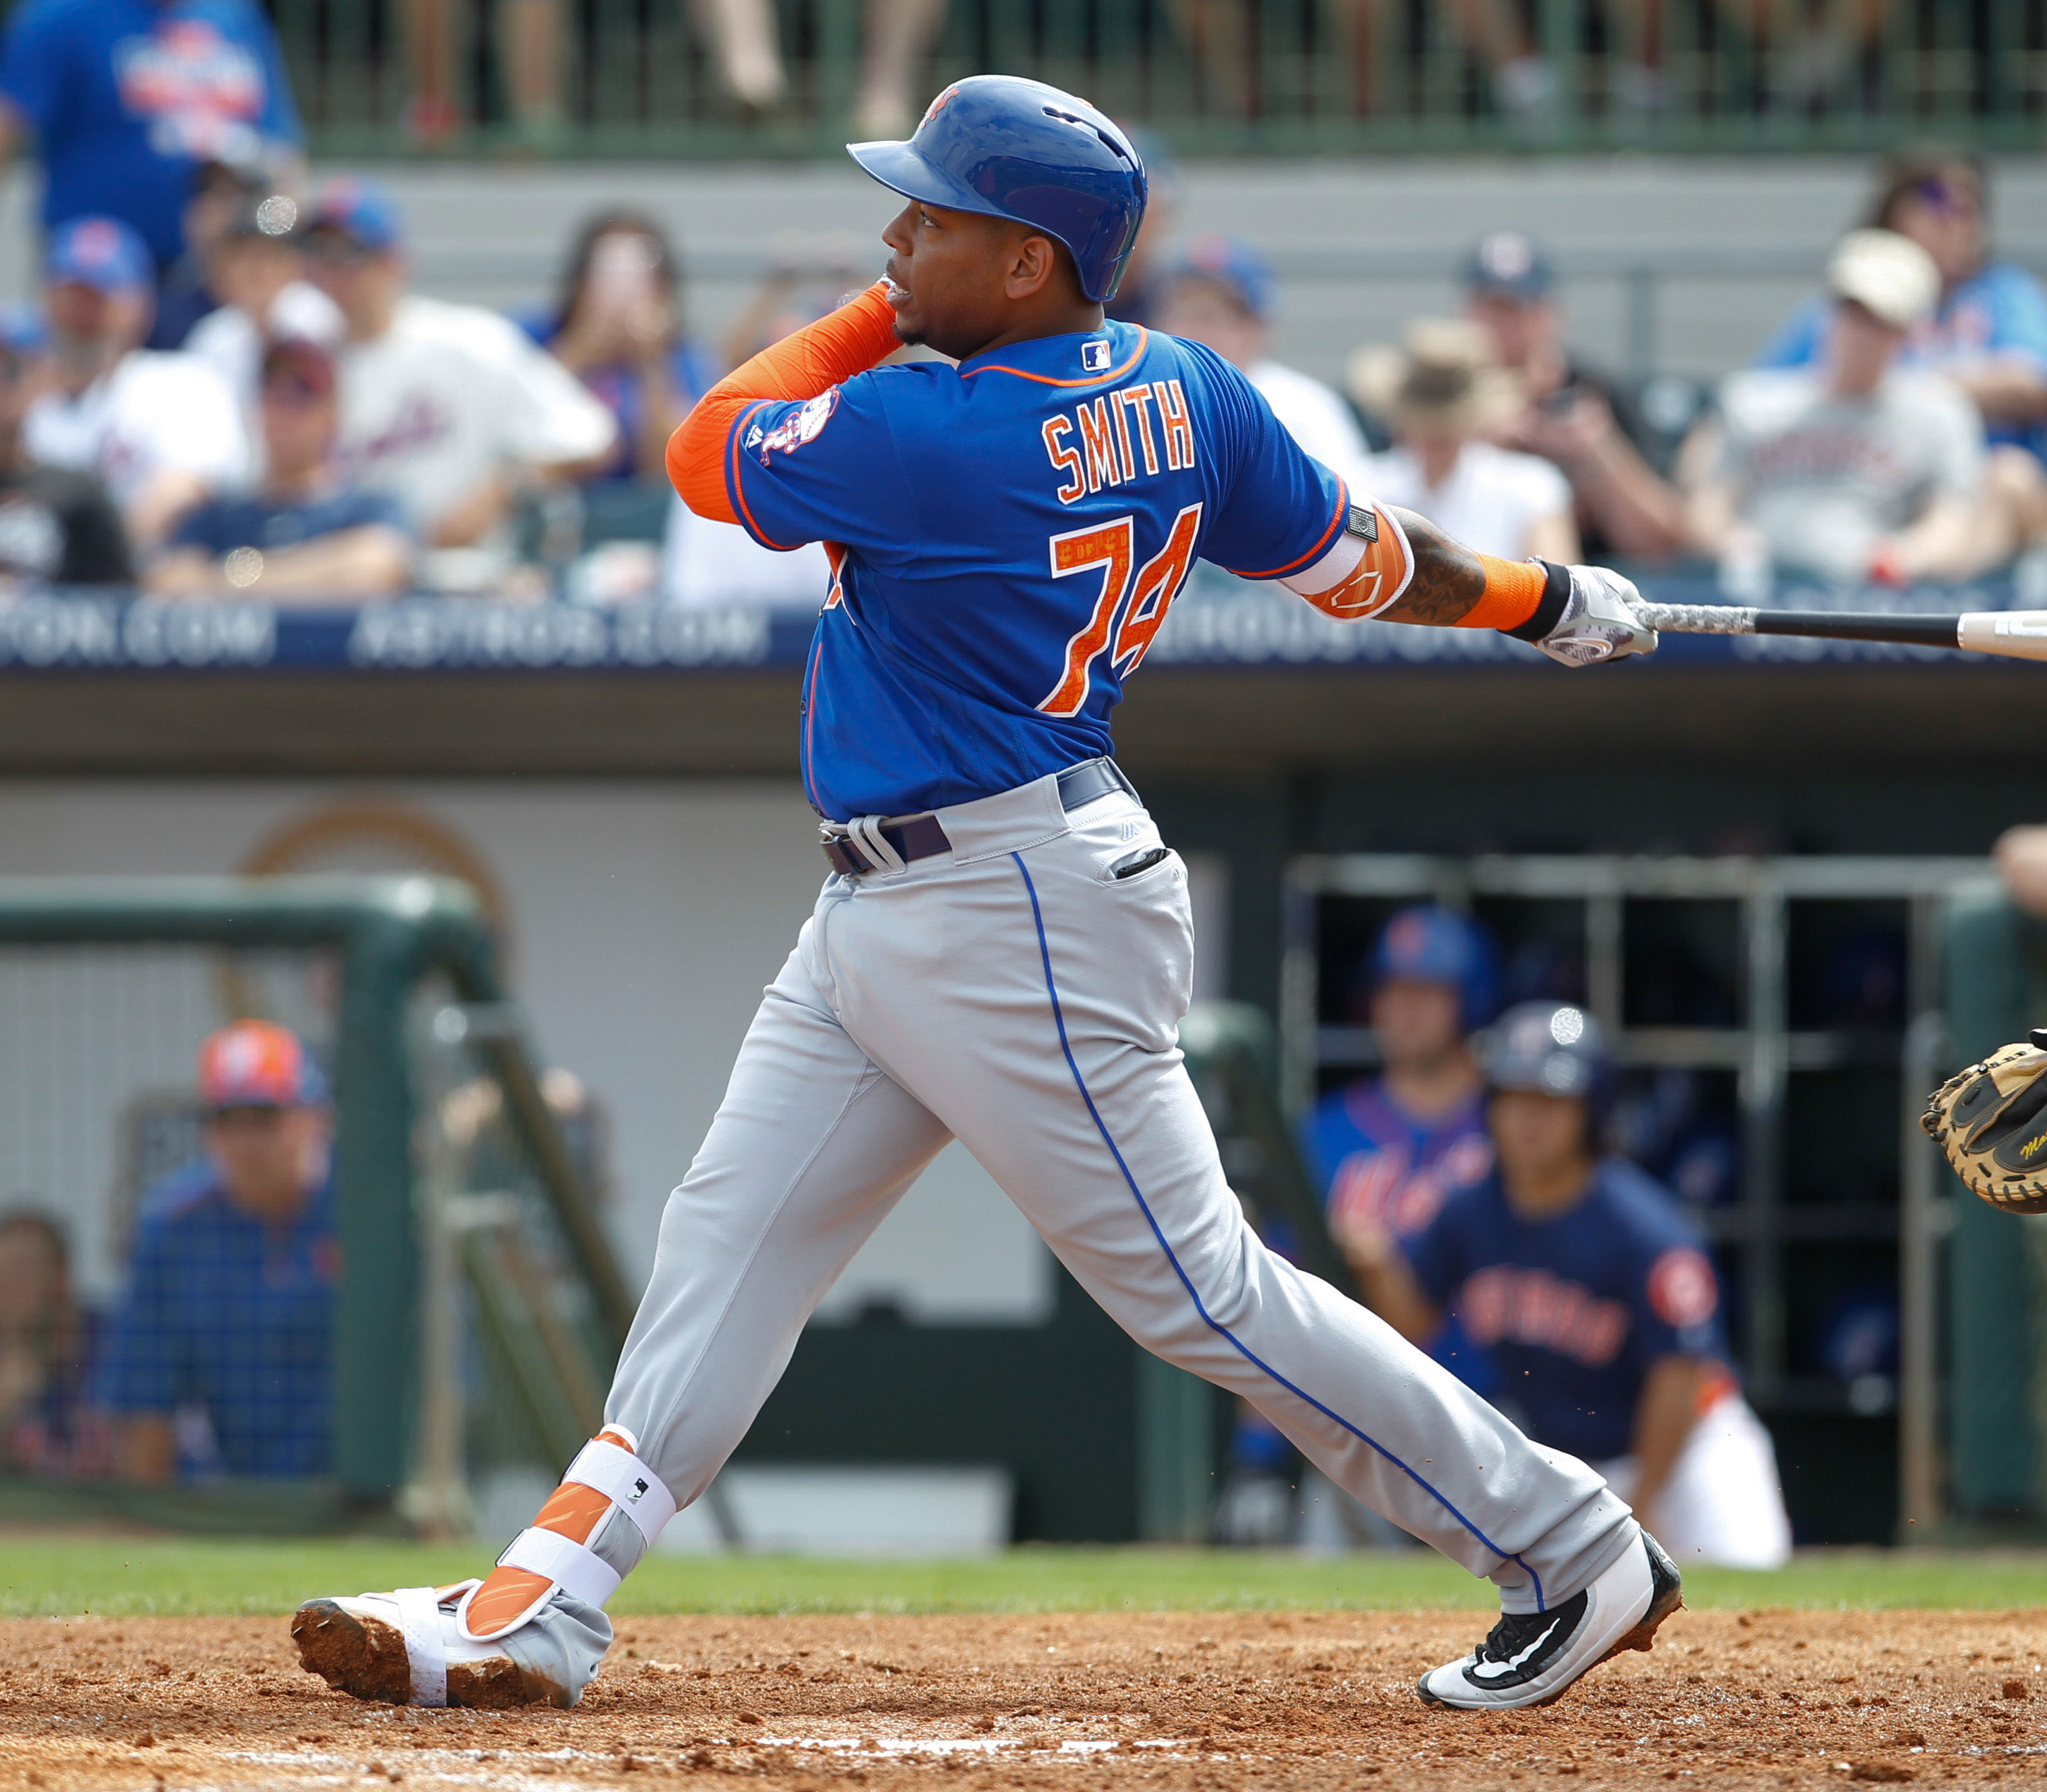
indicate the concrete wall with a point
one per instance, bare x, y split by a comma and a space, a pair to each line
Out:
643, 922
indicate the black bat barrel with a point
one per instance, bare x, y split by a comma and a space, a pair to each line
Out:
1910, 631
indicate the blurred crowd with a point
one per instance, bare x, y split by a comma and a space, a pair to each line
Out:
230, 387
1891, 433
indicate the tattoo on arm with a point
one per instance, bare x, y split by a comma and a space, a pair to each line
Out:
1448, 579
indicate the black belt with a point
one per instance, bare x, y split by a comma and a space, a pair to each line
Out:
921, 836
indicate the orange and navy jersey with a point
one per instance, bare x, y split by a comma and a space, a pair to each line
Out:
1007, 536
1575, 1310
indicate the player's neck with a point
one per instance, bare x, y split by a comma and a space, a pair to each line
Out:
1537, 1193
1427, 1091
1062, 319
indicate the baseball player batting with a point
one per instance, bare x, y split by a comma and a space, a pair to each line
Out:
1002, 951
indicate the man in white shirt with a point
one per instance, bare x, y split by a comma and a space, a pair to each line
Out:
447, 407
1221, 294
161, 430
1853, 470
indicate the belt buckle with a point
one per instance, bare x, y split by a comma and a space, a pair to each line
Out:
841, 854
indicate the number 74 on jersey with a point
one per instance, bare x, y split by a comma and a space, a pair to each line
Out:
1130, 606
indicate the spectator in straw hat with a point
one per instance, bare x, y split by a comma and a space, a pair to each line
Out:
1854, 469
1441, 395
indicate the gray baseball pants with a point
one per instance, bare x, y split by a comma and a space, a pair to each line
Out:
1014, 996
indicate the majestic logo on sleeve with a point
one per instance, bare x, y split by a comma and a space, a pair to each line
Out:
796, 428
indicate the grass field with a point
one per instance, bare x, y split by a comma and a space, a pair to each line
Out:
42, 1575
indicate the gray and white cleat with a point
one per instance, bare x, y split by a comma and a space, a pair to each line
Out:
412, 1647
1531, 1658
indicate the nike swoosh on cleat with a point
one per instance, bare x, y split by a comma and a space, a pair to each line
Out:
1477, 1669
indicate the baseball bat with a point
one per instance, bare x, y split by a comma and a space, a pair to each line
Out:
2016, 634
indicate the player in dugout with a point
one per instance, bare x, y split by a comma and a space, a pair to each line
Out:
229, 1309
1587, 1283
1385, 1151
1002, 950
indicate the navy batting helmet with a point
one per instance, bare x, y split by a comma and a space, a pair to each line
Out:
1553, 1048
1014, 149
1428, 944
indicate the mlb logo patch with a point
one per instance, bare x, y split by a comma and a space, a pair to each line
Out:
1094, 356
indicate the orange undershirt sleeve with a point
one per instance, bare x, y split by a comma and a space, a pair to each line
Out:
817, 358
1513, 589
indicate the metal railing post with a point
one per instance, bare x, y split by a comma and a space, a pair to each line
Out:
376, 1224
1760, 1086
1561, 39
1921, 1230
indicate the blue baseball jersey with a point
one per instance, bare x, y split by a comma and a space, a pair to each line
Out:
1006, 536
1574, 1311
1373, 1160
129, 97
225, 1313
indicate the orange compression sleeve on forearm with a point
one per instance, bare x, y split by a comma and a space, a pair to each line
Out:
850, 341
1513, 590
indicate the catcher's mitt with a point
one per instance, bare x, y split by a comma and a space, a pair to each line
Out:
1991, 1120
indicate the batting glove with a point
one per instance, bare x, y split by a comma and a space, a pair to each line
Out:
1600, 620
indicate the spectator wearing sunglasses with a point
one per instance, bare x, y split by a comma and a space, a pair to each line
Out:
1988, 331
304, 536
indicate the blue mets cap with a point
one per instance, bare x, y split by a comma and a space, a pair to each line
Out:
101, 253
1234, 264
360, 209
1430, 944
1012, 147
1510, 265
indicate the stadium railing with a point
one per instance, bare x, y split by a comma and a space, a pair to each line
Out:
1268, 79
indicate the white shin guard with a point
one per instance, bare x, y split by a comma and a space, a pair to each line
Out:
574, 1567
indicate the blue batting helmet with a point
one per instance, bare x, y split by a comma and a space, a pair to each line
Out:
1010, 148
1553, 1048
1428, 944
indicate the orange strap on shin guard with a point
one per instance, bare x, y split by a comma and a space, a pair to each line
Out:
574, 1511
1513, 592
817, 358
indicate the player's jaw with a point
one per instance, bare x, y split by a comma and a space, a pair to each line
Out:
962, 282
